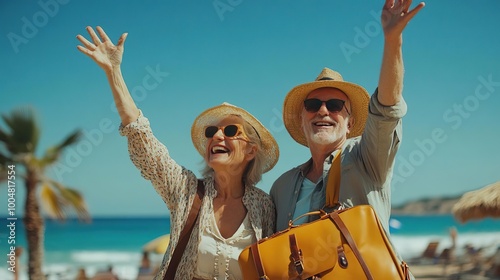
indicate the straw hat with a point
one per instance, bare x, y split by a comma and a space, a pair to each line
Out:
214, 114
294, 102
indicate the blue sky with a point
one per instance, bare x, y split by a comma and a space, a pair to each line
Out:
182, 57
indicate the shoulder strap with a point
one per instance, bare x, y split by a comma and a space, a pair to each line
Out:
333, 183
186, 232
337, 220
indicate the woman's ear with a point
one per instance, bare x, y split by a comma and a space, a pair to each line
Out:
251, 151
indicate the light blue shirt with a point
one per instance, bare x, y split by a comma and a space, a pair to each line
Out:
304, 201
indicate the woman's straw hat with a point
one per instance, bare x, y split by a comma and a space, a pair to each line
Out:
294, 102
212, 115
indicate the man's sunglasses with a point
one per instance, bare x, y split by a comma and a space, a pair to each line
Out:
231, 130
313, 105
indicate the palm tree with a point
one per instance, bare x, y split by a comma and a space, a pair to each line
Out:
18, 146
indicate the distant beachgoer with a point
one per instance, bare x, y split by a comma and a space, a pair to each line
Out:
237, 150
495, 264
107, 274
145, 267
18, 252
82, 275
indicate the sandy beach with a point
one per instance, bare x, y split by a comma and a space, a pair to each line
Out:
452, 271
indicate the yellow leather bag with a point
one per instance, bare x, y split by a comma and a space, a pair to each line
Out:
345, 244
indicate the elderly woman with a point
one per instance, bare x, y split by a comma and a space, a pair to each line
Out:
236, 148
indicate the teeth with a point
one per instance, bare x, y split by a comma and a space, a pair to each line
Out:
323, 123
219, 149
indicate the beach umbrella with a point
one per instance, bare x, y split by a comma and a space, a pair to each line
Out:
158, 245
478, 204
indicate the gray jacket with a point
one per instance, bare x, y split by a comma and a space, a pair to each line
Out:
367, 167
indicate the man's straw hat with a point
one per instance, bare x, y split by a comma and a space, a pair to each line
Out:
212, 115
294, 102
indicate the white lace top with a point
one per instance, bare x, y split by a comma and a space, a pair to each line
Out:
217, 256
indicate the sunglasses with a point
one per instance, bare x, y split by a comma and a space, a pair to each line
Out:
231, 130
333, 105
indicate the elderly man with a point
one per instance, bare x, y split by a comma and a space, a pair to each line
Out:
334, 117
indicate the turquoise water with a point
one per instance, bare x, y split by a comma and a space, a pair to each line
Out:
118, 241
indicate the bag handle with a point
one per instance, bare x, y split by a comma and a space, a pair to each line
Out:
254, 248
320, 212
186, 232
347, 235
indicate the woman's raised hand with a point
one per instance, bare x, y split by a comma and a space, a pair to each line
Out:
104, 53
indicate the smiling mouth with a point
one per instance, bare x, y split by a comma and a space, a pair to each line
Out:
322, 124
219, 150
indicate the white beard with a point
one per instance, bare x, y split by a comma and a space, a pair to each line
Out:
325, 138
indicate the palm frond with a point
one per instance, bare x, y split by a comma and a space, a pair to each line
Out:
51, 202
3, 136
53, 153
3, 172
76, 201
24, 131
4, 159
70, 139
72, 198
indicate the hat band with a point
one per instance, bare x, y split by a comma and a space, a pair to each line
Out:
325, 78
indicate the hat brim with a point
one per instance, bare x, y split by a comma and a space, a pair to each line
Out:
208, 117
292, 107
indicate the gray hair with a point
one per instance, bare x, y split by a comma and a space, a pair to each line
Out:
254, 169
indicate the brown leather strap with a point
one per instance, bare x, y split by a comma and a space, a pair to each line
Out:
406, 270
254, 248
185, 233
333, 181
334, 216
296, 254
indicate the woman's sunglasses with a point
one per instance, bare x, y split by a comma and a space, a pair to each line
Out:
231, 130
313, 105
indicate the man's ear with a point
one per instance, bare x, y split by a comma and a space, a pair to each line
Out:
350, 124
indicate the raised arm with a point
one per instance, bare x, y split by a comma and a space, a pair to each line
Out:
395, 17
109, 58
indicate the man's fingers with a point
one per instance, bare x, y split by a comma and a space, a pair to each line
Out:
415, 10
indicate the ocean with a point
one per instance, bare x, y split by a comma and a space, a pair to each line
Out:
117, 242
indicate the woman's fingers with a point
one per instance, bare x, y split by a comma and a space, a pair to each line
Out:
93, 35
84, 50
86, 42
103, 34
122, 39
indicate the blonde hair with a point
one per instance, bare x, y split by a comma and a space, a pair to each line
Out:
254, 169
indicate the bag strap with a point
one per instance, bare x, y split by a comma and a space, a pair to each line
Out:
254, 248
333, 183
347, 235
186, 232
296, 254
